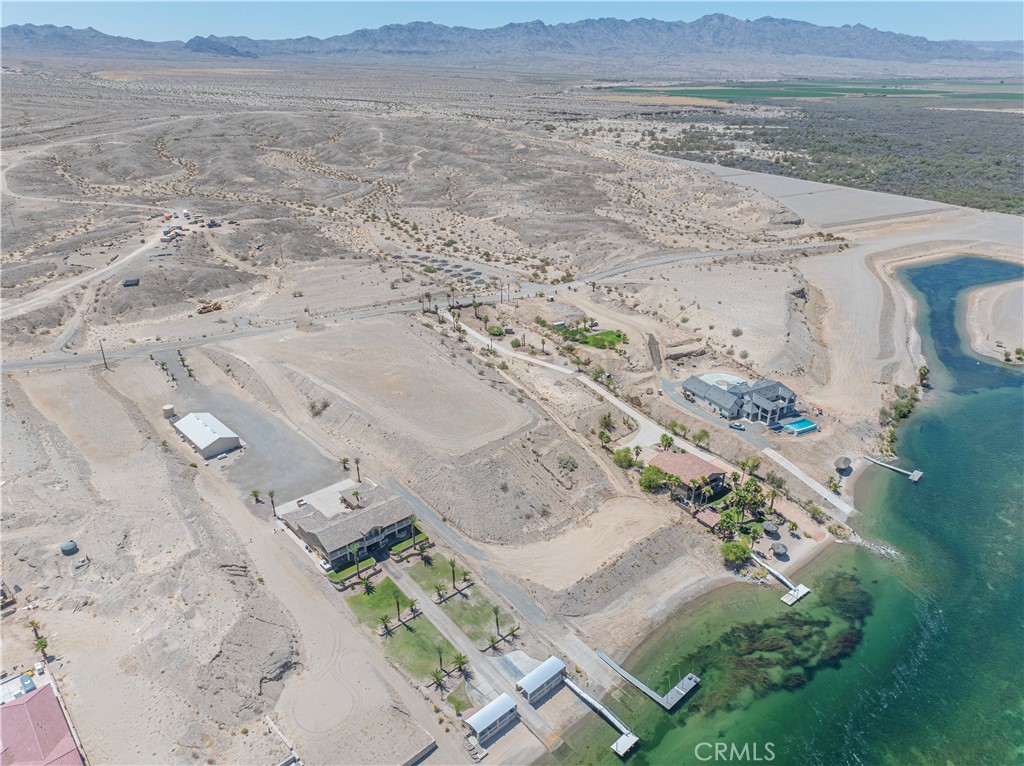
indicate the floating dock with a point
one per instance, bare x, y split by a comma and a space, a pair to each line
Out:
669, 701
914, 475
624, 744
796, 592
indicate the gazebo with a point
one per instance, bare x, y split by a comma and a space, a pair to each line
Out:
778, 549
843, 464
770, 528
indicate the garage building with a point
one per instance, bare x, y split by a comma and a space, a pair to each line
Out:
207, 435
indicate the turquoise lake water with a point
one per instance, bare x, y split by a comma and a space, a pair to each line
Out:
917, 660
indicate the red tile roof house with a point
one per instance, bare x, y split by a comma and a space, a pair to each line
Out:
690, 468
33, 732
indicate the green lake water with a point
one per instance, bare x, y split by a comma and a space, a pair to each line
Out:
913, 660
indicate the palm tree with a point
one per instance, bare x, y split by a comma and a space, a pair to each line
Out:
475, 307
735, 478
542, 342
412, 606
683, 430
496, 610
34, 624
704, 487
793, 526
353, 548
637, 450
437, 677
398, 606
605, 421
344, 463
385, 623
452, 563
492, 642
412, 524
753, 463
439, 589
40, 645
772, 493
460, 661
511, 631
273, 505
667, 441
255, 495
465, 574
701, 437
439, 648
367, 584
744, 464
358, 477
355, 496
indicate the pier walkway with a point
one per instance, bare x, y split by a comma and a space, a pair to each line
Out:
623, 744
674, 694
796, 592
914, 475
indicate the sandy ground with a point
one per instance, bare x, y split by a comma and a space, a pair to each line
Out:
996, 314
604, 536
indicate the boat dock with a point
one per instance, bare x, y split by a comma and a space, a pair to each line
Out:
624, 744
676, 693
914, 475
796, 592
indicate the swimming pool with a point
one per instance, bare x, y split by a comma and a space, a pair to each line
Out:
802, 426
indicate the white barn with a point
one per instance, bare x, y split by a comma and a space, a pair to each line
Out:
542, 679
207, 435
493, 717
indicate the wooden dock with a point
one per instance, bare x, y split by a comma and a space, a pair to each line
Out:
669, 701
913, 475
624, 744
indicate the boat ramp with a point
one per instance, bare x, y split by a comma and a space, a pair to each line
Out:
676, 693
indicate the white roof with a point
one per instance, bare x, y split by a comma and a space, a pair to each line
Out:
203, 429
491, 712
541, 674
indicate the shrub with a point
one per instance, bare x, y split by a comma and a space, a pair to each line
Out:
495, 332
736, 332
652, 479
623, 457
567, 462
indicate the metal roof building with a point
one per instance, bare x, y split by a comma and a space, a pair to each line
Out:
493, 717
542, 679
207, 435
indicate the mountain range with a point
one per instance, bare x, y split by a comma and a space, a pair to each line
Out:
601, 39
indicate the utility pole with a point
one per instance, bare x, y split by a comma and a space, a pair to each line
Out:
103, 354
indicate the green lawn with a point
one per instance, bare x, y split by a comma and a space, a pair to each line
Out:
412, 644
473, 613
459, 699
364, 565
603, 339
440, 571
368, 607
405, 545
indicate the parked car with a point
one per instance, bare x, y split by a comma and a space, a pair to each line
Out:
738, 426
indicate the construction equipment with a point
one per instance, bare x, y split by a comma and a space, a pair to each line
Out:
215, 306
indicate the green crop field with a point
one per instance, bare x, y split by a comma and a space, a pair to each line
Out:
753, 91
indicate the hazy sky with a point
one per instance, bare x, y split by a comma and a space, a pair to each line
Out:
275, 20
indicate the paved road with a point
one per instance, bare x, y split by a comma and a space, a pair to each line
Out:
798, 472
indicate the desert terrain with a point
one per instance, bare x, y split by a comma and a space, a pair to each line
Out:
362, 213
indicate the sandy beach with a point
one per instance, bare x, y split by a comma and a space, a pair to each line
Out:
995, 318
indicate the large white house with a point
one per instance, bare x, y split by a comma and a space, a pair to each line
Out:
207, 435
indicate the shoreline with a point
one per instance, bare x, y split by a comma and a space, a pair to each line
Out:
995, 314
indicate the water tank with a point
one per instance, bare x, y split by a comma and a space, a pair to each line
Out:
70, 548
168, 411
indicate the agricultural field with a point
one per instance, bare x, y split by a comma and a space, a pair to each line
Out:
757, 91
962, 152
